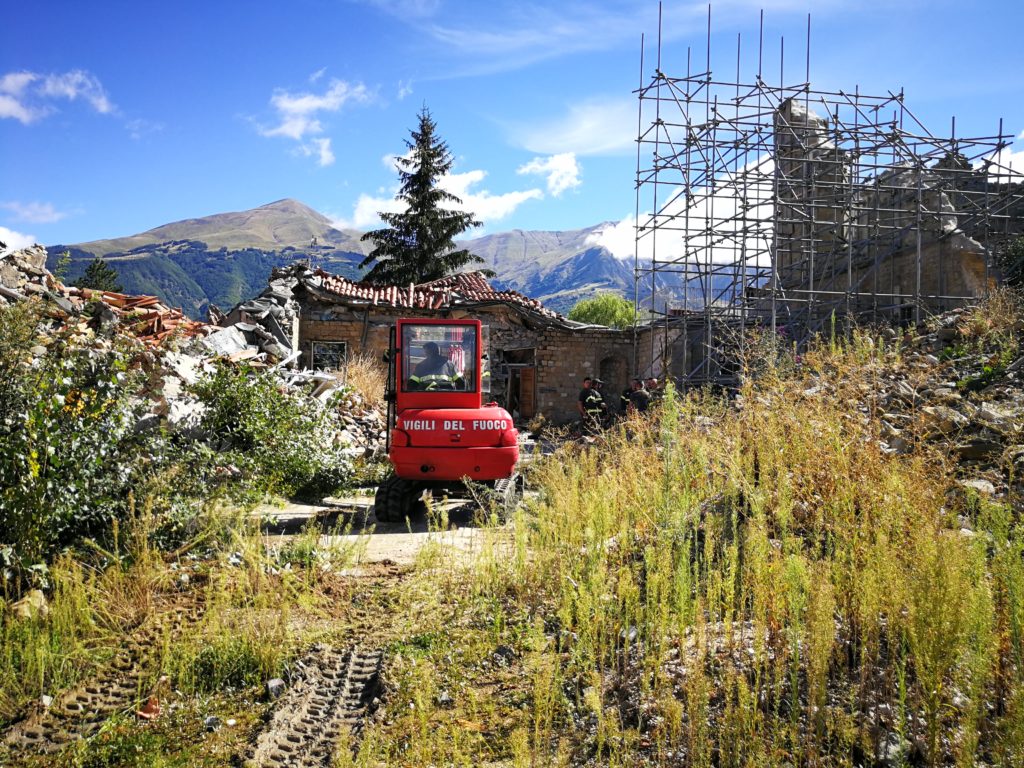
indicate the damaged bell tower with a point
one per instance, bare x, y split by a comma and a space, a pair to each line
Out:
785, 207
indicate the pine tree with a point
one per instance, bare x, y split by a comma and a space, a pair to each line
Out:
100, 276
418, 245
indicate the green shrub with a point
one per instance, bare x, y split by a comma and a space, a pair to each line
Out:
69, 452
1011, 261
608, 309
278, 439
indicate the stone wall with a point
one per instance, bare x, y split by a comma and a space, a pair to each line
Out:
834, 235
565, 357
562, 356
812, 172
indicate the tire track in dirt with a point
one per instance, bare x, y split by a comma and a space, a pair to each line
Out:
79, 712
326, 707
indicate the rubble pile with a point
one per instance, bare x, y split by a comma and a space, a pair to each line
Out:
966, 395
959, 388
178, 351
23, 274
267, 323
363, 426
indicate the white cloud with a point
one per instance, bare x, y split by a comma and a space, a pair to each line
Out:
78, 84
562, 171
618, 238
482, 203
11, 107
593, 127
138, 128
29, 96
15, 83
317, 75
720, 224
365, 213
319, 148
486, 206
506, 35
1007, 162
298, 116
35, 213
513, 35
15, 240
298, 111
404, 88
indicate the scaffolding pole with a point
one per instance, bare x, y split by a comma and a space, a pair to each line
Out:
788, 208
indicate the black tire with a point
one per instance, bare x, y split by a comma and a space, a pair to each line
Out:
395, 500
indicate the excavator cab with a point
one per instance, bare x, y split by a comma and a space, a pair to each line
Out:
440, 432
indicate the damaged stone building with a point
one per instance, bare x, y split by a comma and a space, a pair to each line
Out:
899, 234
795, 210
536, 357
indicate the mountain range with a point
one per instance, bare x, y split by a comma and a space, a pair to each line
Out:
226, 258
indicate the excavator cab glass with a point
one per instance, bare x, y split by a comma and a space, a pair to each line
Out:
438, 358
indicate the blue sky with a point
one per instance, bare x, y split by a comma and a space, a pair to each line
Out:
116, 117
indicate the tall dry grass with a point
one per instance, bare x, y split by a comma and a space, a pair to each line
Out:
757, 582
367, 375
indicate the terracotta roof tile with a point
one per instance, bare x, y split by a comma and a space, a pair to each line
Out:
146, 317
453, 290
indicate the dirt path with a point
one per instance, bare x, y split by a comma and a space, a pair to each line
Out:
323, 710
332, 689
374, 541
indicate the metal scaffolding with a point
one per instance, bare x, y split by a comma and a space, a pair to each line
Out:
778, 205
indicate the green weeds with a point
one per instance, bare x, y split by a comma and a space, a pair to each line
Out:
757, 583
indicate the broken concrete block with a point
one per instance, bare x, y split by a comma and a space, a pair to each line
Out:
31, 606
275, 688
942, 420
982, 486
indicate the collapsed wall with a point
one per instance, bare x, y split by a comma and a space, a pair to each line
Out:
879, 241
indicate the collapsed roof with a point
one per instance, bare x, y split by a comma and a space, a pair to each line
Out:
462, 289
23, 274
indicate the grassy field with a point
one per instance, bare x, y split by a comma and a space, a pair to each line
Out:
754, 584
749, 581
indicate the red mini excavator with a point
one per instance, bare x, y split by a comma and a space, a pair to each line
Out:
440, 432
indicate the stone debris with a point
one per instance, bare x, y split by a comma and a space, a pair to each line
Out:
178, 351
23, 274
275, 688
31, 606
952, 390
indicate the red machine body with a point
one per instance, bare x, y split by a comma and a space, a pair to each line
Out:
440, 430
453, 443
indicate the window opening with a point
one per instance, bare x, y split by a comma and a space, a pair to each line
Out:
438, 358
328, 355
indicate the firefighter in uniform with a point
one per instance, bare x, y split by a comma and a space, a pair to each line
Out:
594, 407
434, 371
655, 391
639, 398
584, 392
624, 400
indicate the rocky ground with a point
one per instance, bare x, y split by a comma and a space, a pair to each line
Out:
957, 386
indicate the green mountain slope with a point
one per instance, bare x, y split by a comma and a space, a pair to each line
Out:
227, 257
270, 228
